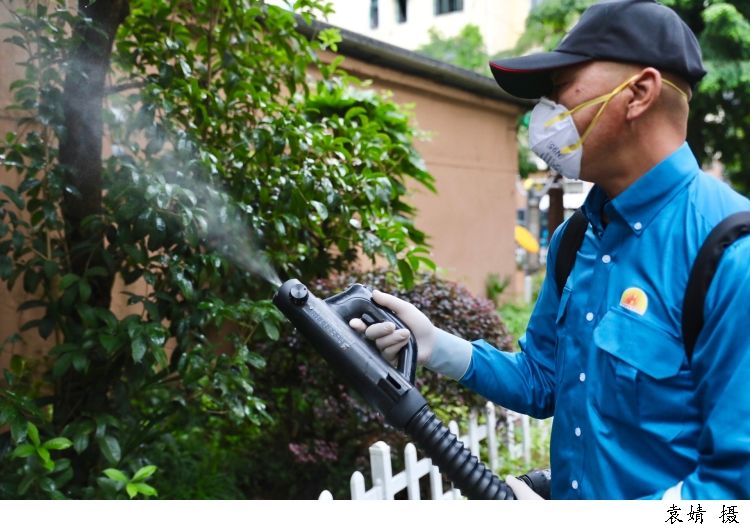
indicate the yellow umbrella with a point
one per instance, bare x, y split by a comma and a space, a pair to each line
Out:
526, 240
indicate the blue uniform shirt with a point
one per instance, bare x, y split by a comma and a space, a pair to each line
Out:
606, 357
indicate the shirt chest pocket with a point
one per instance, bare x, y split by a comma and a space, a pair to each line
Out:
644, 382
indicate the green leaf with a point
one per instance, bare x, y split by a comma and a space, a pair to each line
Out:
185, 67
64, 477
110, 448
271, 330
80, 442
62, 364
57, 444
46, 460
65, 347
13, 196
143, 473
138, 347
109, 342
68, 280
50, 269
6, 413
46, 326
18, 429
321, 209
80, 361
157, 236
19, 41
96, 271
185, 285
31, 304
145, 489
354, 111
62, 464
47, 484
6, 267
407, 274
116, 475
24, 451
109, 486
33, 433
26, 483
84, 290
132, 490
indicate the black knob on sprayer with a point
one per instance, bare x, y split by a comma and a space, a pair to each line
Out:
298, 294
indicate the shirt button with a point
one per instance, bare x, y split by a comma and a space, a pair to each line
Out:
606, 258
582, 377
589, 316
637, 226
574, 484
578, 431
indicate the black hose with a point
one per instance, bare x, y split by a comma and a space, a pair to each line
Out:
462, 468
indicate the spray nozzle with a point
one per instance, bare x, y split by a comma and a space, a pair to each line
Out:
298, 294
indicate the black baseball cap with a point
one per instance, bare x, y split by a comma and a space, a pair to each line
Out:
628, 31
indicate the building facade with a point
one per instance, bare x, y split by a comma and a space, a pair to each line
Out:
406, 23
470, 148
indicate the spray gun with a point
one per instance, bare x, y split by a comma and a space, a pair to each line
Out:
391, 391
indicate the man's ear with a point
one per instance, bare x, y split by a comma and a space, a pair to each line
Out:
645, 91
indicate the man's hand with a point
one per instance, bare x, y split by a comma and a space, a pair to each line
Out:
440, 351
521, 490
389, 340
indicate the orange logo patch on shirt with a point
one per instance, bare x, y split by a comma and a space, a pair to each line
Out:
635, 299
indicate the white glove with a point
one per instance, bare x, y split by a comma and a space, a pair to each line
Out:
438, 350
521, 490
389, 340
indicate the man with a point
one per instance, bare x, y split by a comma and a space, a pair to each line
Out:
633, 418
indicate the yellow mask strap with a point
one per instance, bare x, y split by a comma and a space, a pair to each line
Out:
605, 99
678, 89
601, 99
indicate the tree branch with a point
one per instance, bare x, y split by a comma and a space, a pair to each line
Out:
114, 89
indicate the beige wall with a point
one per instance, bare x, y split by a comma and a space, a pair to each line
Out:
472, 155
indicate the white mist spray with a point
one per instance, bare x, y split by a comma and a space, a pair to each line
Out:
226, 234
218, 217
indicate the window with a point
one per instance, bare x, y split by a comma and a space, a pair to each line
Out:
521, 216
373, 14
400, 11
448, 6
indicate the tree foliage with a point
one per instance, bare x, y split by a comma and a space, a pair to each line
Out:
467, 49
719, 121
227, 159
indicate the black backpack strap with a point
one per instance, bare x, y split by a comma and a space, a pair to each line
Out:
570, 242
722, 236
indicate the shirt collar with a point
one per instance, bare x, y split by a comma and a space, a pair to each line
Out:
642, 200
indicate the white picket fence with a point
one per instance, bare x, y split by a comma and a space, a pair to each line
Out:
385, 485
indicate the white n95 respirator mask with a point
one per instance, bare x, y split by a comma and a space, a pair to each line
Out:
551, 138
